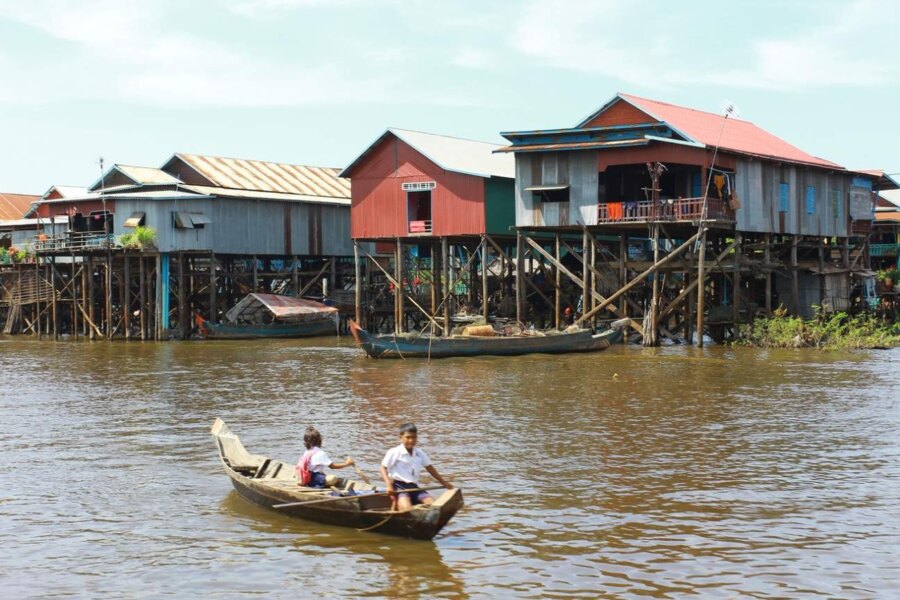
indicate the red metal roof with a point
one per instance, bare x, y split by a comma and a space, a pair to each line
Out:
14, 206
738, 135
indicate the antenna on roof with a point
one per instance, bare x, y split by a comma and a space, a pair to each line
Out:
730, 109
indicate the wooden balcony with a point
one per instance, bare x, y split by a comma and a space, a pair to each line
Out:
884, 250
674, 210
73, 241
420, 227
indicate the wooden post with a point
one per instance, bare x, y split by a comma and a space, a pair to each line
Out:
435, 278
520, 278
182, 300
333, 277
142, 295
585, 274
53, 297
595, 280
126, 295
357, 287
213, 290
767, 258
162, 320
795, 276
651, 338
109, 294
736, 284
845, 252
255, 276
445, 283
91, 316
74, 301
484, 279
701, 286
557, 300
822, 278
623, 270
398, 288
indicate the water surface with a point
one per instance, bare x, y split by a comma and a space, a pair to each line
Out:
631, 473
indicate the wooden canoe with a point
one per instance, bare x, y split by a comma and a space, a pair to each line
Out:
269, 482
416, 346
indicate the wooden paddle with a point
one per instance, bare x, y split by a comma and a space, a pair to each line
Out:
357, 497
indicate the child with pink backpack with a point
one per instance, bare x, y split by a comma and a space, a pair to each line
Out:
312, 463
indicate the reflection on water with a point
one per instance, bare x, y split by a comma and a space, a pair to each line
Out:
633, 472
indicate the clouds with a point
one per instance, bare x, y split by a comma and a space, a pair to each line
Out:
256, 53
652, 45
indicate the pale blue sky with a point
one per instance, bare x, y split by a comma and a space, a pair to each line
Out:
315, 81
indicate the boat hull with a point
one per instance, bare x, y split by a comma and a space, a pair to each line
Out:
228, 331
399, 346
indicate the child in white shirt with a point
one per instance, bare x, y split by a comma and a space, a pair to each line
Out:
315, 460
401, 467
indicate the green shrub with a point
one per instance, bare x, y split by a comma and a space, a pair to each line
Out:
140, 238
836, 331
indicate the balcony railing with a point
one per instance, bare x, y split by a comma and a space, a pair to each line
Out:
74, 241
884, 250
419, 227
681, 209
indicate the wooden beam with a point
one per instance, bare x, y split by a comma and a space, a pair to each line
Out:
701, 279
484, 279
557, 299
445, 283
357, 288
671, 306
394, 281
520, 278
640, 278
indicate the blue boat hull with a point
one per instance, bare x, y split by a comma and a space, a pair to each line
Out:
410, 346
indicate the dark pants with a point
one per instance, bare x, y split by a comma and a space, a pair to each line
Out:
316, 479
414, 497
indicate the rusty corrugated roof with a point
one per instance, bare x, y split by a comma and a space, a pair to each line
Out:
256, 175
14, 206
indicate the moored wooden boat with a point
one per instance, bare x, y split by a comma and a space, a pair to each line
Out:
272, 315
270, 482
416, 346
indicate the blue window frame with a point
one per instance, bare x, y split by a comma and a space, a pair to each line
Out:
810, 200
784, 197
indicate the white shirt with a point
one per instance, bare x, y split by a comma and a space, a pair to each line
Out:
318, 461
403, 466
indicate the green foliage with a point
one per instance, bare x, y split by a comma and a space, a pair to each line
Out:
836, 331
140, 238
4, 256
893, 274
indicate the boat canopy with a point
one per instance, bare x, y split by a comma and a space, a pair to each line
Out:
257, 308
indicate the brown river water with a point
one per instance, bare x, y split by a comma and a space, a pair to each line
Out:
632, 473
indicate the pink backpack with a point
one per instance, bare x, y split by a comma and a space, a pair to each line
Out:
303, 473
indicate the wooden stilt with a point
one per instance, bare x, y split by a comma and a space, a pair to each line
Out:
795, 276
651, 338
74, 300
142, 295
520, 278
736, 283
182, 299
701, 288
90, 314
357, 278
445, 283
398, 289
767, 258
484, 279
213, 289
557, 297
126, 295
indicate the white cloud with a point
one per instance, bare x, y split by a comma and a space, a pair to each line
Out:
644, 43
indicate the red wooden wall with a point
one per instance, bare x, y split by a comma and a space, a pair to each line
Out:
378, 207
620, 113
64, 208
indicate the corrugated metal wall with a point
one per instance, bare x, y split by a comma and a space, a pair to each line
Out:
380, 204
576, 169
500, 205
758, 187
245, 226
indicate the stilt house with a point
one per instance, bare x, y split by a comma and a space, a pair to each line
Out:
641, 168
